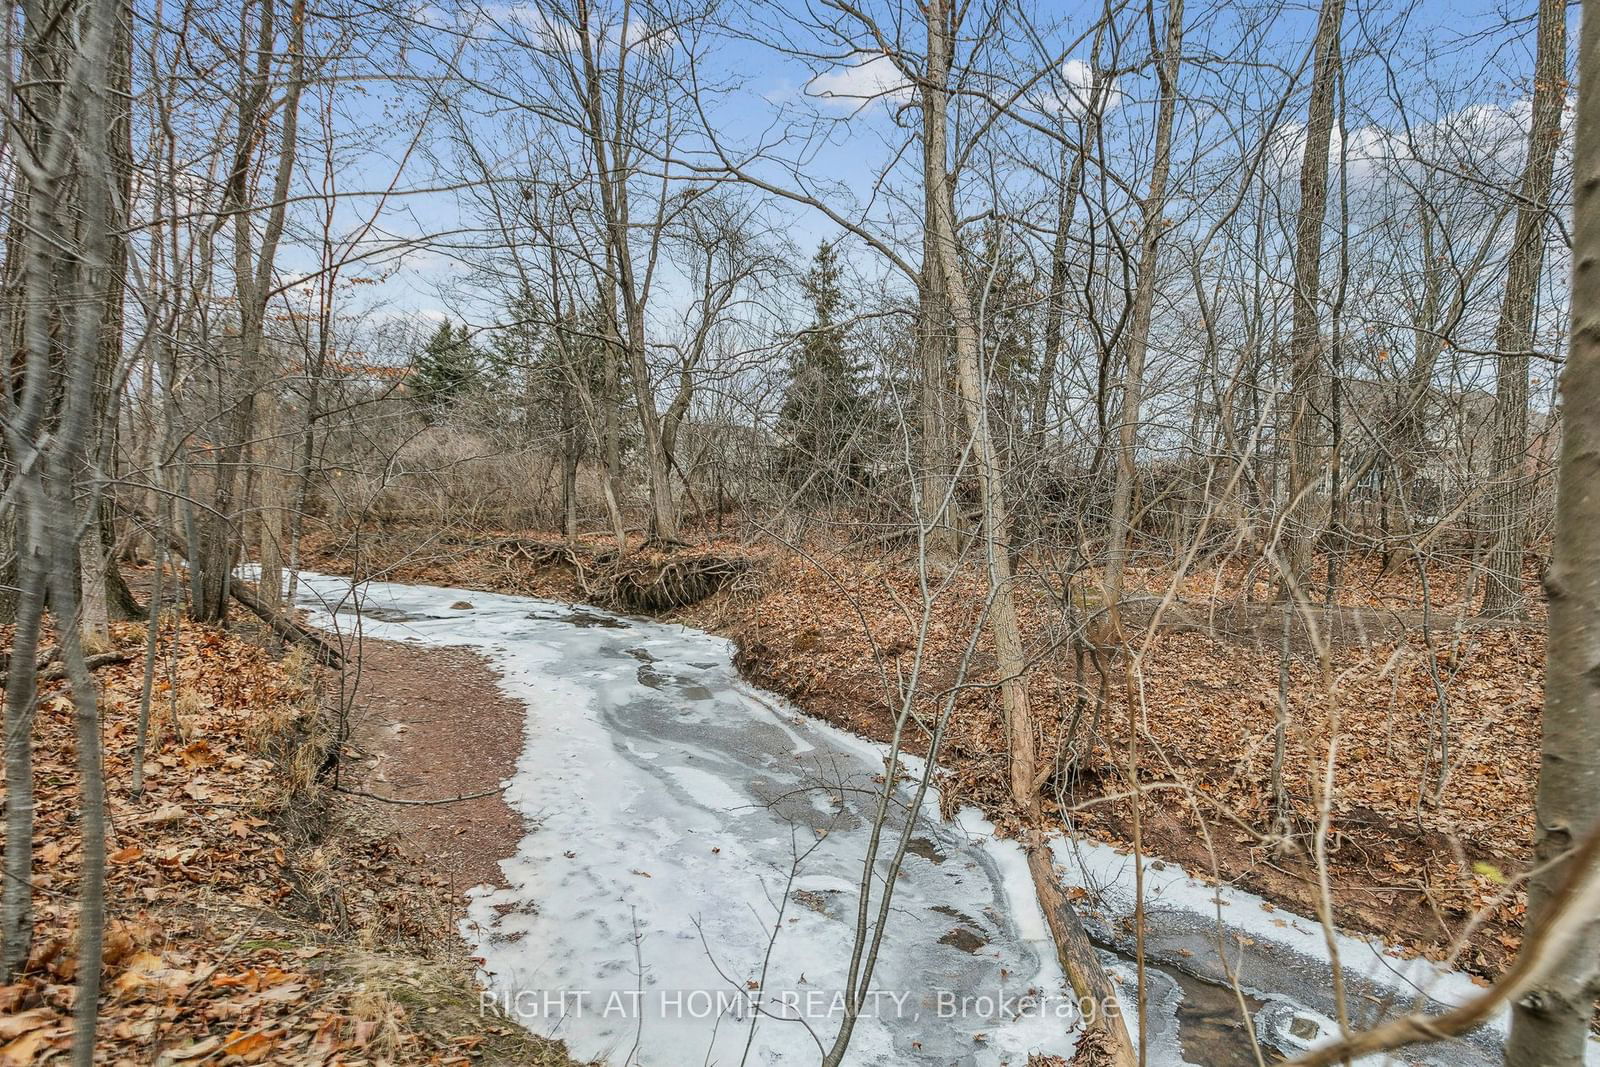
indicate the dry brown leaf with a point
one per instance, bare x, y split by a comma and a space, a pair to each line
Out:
25, 1022
26, 1049
250, 1047
196, 1050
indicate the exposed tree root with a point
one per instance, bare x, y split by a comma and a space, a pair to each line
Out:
662, 585
646, 584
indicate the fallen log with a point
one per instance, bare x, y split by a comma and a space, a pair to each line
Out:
44, 660
48, 670
286, 627
1079, 961
281, 622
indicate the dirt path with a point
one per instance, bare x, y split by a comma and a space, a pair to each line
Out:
430, 724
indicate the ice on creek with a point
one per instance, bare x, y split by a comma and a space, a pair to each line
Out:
689, 886
1227, 936
695, 852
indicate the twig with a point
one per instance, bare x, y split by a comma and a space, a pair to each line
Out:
104, 659
1543, 950
421, 803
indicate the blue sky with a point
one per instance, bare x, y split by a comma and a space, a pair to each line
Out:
1445, 55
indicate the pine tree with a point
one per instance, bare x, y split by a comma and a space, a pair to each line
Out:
513, 364
819, 423
444, 369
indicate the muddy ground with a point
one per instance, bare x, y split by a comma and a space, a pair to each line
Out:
429, 725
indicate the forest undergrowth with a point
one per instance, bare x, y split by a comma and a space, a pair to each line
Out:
255, 915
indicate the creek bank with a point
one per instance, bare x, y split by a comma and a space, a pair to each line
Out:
253, 914
830, 635
554, 656
694, 847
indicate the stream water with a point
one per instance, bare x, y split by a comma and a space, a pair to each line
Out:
688, 889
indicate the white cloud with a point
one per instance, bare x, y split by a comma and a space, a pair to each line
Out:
1489, 141
851, 87
1078, 87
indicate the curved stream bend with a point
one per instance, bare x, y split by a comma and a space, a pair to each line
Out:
687, 891
694, 843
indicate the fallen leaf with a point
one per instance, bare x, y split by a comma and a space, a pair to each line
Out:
249, 1047
196, 1050
165, 813
25, 1049
25, 1022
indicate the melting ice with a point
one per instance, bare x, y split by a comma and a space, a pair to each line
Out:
689, 887
695, 853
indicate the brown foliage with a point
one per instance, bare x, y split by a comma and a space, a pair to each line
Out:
251, 918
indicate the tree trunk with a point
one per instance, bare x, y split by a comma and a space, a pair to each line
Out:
10, 547
304, 451
16, 896
40, 260
1410, 427
611, 173
611, 446
218, 540
92, 817
1056, 307
71, 476
571, 455
1010, 659
273, 495
1550, 1024
120, 601
109, 598
94, 614
936, 487
1302, 512
933, 354
1502, 590
1143, 307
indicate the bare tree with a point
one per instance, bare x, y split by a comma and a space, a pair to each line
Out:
1301, 515
1550, 1023
1153, 209
1514, 336
59, 129
216, 548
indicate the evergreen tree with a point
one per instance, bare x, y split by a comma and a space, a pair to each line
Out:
514, 363
820, 420
444, 369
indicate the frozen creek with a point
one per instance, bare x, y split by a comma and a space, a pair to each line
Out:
695, 849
